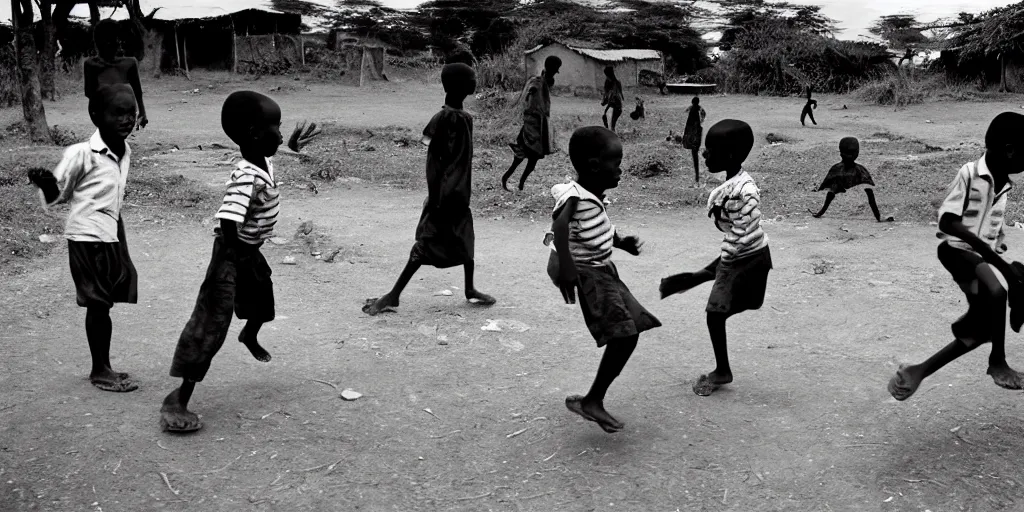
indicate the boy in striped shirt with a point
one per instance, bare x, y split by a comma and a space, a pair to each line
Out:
971, 230
741, 271
238, 277
581, 258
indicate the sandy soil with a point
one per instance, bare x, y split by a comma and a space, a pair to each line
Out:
454, 417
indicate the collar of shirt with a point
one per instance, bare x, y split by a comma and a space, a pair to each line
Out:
985, 173
723, 191
251, 168
97, 144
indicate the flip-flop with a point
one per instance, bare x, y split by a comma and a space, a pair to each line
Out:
476, 301
118, 386
166, 427
575, 404
898, 386
704, 386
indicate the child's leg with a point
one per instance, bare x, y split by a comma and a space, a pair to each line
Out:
390, 299
874, 206
682, 282
604, 116
248, 337
828, 200
174, 414
803, 116
531, 164
472, 294
615, 117
695, 152
810, 113
616, 355
707, 384
511, 169
98, 330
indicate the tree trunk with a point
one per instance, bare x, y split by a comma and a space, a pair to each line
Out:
28, 69
48, 53
1002, 73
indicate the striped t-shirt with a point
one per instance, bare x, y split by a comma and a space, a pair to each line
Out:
973, 198
252, 201
739, 199
591, 233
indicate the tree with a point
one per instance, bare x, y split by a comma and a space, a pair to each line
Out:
901, 31
28, 66
47, 52
998, 34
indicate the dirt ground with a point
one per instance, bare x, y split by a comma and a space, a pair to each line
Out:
455, 417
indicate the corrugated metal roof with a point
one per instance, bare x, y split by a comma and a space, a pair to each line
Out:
608, 55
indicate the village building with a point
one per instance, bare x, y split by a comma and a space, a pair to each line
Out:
584, 67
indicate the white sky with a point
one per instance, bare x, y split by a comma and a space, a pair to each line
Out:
854, 16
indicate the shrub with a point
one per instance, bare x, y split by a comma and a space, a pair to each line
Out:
893, 89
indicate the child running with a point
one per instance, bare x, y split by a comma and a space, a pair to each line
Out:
741, 271
106, 68
808, 110
971, 229
91, 178
444, 236
613, 97
846, 175
238, 277
535, 140
581, 258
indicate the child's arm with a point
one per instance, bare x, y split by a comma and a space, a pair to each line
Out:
136, 83
952, 224
438, 158
631, 244
69, 171
567, 275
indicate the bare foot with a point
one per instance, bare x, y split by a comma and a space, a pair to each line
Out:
109, 380
381, 305
903, 385
479, 298
1006, 377
888, 219
591, 412
709, 383
254, 348
814, 214
176, 418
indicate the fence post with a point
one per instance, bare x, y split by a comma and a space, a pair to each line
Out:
234, 48
177, 51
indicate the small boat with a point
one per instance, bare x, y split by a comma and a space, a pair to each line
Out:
691, 88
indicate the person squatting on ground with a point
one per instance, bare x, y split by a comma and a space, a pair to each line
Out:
971, 229
693, 132
91, 178
444, 235
581, 258
741, 271
808, 110
238, 277
535, 140
106, 68
613, 97
846, 175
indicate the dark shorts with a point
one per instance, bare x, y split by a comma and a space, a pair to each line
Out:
986, 310
740, 284
238, 283
609, 308
103, 272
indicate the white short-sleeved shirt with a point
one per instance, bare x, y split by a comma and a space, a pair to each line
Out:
252, 201
973, 198
591, 233
92, 182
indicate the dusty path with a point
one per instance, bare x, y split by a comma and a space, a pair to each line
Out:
808, 424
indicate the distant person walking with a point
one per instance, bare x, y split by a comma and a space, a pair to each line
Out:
535, 139
808, 110
693, 133
613, 97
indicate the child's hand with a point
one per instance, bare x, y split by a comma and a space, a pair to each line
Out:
46, 182
143, 121
715, 212
1016, 279
631, 244
304, 134
568, 281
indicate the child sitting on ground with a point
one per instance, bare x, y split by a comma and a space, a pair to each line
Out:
238, 277
581, 258
741, 271
846, 175
106, 68
91, 178
444, 236
971, 227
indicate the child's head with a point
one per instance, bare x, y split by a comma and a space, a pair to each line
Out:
609, 71
695, 101
458, 79
551, 66
596, 154
1004, 144
849, 148
727, 145
105, 37
253, 121
113, 110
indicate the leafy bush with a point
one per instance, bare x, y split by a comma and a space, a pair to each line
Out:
893, 89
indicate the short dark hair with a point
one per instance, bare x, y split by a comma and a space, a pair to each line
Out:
1005, 129
241, 111
552, 62
586, 143
104, 31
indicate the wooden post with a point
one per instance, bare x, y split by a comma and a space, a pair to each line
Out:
234, 48
302, 49
177, 52
184, 51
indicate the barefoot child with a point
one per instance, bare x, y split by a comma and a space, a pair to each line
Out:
91, 178
238, 277
444, 236
106, 68
741, 271
808, 110
693, 132
846, 175
613, 97
535, 140
581, 258
971, 227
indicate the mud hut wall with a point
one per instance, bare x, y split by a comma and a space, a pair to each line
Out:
273, 50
